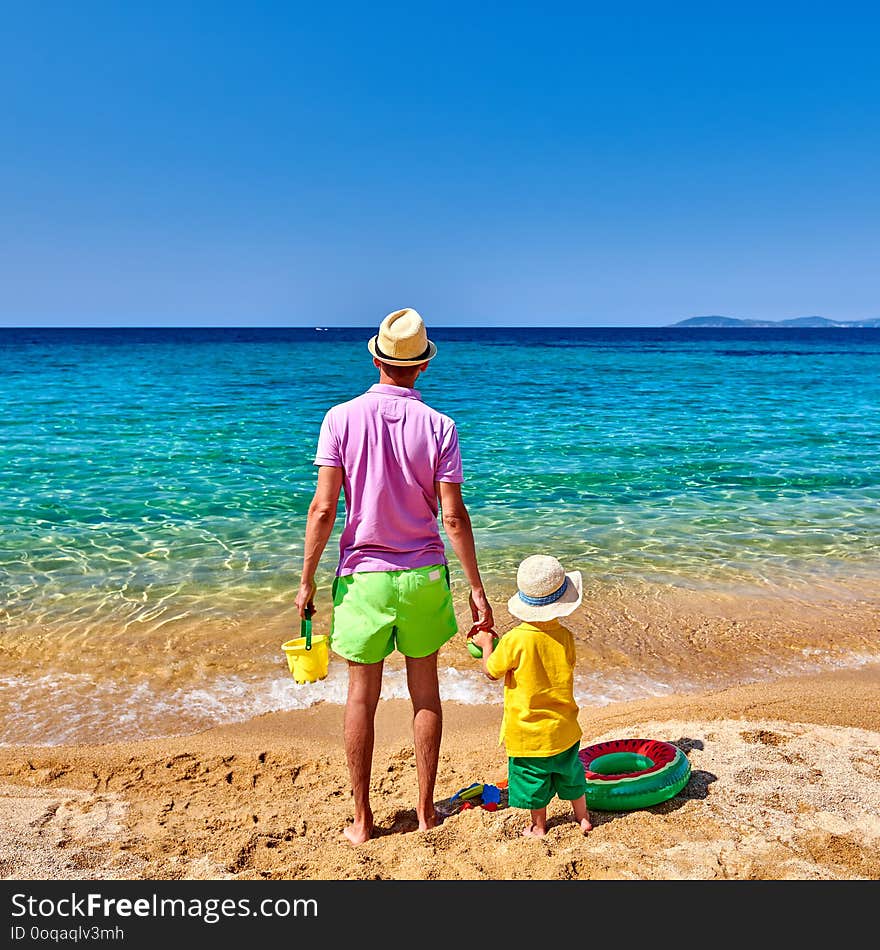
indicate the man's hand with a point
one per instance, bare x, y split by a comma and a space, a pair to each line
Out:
305, 599
481, 612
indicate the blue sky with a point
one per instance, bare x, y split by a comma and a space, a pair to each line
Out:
496, 163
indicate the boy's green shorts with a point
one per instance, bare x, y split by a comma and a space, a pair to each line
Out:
375, 612
532, 782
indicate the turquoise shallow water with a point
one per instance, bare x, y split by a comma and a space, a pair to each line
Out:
156, 477
179, 463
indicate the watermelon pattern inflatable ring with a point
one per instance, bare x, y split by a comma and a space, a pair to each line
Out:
626, 774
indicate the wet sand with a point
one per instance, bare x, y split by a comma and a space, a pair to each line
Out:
785, 784
91, 682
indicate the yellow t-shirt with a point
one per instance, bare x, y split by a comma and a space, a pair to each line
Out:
540, 714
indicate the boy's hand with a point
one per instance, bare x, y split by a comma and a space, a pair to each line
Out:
483, 639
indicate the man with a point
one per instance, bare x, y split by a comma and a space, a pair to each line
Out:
395, 458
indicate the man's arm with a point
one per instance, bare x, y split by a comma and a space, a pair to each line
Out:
322, 515
457, 524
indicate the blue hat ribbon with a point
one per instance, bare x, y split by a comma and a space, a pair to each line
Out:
543, 601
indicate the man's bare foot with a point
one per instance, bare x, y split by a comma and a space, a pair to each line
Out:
534, 831
586, 827
358, 833
428, 822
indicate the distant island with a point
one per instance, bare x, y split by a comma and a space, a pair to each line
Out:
716, 321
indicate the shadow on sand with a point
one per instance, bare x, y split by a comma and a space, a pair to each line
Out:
697, 789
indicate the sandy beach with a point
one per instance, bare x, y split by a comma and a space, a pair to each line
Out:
382, 316
785, 784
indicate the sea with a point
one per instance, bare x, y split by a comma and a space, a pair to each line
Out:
719, 490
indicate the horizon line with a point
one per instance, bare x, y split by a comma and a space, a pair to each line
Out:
440, 326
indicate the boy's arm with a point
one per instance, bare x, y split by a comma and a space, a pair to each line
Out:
485, 640
486, 654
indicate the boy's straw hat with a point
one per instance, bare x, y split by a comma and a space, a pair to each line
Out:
545, 590
402, 339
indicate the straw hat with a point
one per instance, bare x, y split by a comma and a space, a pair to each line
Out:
402, 340
545, 589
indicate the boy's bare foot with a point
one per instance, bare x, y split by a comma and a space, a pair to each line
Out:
586, 827
534, 831
359, 832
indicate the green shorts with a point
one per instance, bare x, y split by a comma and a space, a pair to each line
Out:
375, 612
533, 782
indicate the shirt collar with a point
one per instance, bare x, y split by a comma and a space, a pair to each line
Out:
552, 623
385, 389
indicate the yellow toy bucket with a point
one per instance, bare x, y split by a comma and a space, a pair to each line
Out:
308, 657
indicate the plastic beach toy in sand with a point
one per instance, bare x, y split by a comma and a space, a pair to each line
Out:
477, 795
308, 657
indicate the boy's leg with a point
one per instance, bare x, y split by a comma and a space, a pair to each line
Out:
538, 827
424, 691
530, 785
581, 815
570, 784
364, 687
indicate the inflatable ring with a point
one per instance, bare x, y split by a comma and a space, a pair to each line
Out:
625, 774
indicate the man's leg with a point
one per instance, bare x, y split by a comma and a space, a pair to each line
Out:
424, 691
364, 686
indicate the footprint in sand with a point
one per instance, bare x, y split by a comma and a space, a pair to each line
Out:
764, 737
867, 763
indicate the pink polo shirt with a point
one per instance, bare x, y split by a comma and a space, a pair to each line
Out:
391, 448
